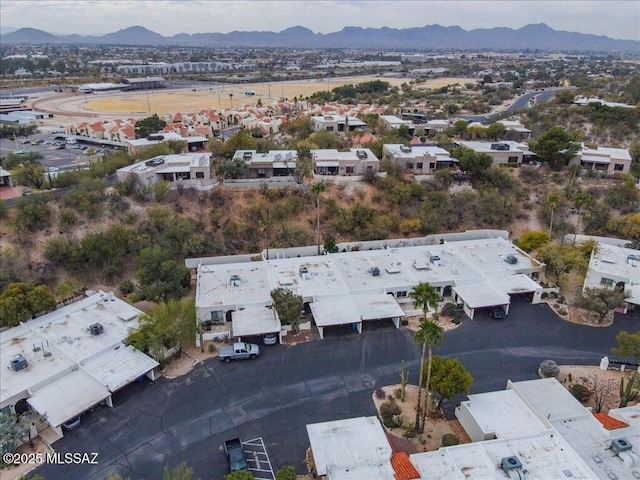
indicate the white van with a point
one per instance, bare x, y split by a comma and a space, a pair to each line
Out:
71, 141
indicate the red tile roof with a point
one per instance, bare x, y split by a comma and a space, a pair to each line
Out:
97, 127
402, 466
128, 131
608, 422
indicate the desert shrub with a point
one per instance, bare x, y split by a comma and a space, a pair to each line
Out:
397, 393
380, 393
286, 473
422, 439
390, 411
448, 309
127, 287
581, 392
211, 348
404, 322
449, 439
456, 320
549, 368
409, 433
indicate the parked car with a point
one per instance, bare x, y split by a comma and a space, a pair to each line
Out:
497, 313
235, 455
270, 339
239, 351
72, 423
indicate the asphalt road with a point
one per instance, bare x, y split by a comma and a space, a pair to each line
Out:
187, 419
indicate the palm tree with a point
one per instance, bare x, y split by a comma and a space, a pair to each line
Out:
424, 296
552, 200
581, 199
432, 335
317, 189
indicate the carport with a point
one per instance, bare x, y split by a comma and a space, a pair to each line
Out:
255, 321
480, 294
378, 306
68, 397
519, 284
335, 310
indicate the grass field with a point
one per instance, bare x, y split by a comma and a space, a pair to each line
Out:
190, 101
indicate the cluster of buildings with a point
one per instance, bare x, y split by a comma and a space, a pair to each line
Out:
72, 359
162, 68
533, 430
476, 270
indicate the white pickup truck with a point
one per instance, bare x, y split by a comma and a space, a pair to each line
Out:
239, 351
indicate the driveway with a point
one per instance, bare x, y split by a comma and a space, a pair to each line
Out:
187, 419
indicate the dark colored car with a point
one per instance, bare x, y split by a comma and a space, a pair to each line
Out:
497, 313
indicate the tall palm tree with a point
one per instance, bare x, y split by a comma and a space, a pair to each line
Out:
424, 296
317, 189
431, 334
552, 200
581, 200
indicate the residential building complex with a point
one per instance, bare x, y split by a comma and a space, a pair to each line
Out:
504, 152
603, 159
339, 124
533, 430
69, 360
354, 287
188, 169
419, 159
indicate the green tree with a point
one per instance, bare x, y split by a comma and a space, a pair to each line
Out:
148, 126
555, 147
179, 472
628, 345
425, 297
533, 239
304, 165
160, 276
450, 378
288, 306
627, 226
32, 212
581, 199
234, 168
286, 473
602, 300
560, 259
472, 162
239, 475
496, 130
13, 430
30, 174
317, 189
20, 301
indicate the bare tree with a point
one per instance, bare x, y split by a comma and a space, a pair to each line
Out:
602, 389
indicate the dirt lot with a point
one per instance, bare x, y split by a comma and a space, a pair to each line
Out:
212, 97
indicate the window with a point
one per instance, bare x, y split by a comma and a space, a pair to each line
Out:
401, 294
432, 166
618, 167
199, 174
512, 160
409, 166
606, 281
349, 170
419, 165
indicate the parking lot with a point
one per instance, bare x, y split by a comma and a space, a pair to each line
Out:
257, 458
55, 150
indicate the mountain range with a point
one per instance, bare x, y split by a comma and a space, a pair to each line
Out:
430, 37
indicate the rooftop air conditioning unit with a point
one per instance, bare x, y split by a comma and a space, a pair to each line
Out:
19, 363
361, 154
510, 463
511, 259
234, 281
304, 273
405, 149
96, 329
435, 259
620, 445
375, 271
499, 146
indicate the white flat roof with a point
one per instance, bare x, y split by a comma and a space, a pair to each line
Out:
375, 306
348, 443
549, 398
256, 320
214, 287
545, 456
335, 310
479, 293
307, 276
117, 367
68, 396
512, 284
516, 419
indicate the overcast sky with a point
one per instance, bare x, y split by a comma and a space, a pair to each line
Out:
615, 19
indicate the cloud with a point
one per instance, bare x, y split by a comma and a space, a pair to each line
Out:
616, 19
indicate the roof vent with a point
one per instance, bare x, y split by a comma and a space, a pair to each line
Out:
511, 259
392, 268
435, 259
499, 147
18, 363
375, 271
511, 463
405, 149
304, 273
361, 154
620, 445
96, 329
234, 281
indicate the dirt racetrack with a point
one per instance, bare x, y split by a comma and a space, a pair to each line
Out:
140, 104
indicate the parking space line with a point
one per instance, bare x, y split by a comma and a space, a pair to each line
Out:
258, 459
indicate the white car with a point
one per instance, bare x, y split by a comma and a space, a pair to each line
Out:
270, 339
